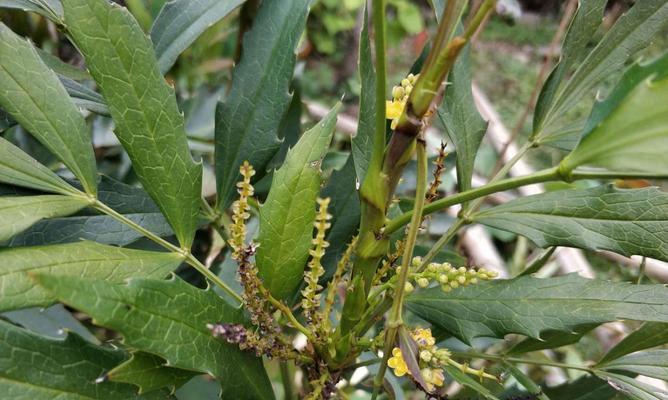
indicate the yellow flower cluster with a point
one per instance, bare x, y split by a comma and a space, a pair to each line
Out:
240, 210
400, 94
311, 300
431, 361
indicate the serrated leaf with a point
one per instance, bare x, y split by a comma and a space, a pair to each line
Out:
625, 221
169, 319
287, 216
345, 211
180, 22
363, 141
632, 32
19, 213
461, 119
530, 306
35, 367
32, 94
633, 388
148, 122
633, 137
551, 340
149, 372
84, 259
247, 122
18, 168
134, 203
652, 363
650, 334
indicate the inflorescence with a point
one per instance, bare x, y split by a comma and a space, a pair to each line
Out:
400, 94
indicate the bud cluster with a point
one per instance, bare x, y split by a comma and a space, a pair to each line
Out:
447, 276
240, 210
311, 293
400, 94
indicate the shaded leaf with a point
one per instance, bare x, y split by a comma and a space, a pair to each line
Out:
36, 367
180, 22
633, 388
32, 94
54, 9
586, 388
461, 119
61, 68
632, 137
156, 316
363, 141
54, 322
84, 97
18, 168
530, 306
526, 381
551, 340
345, 211
247, 122
625, 221
650, 334
287, 216
469, 382
84, 259
632, 32
143, 106
149, 372
653, 363
19, 213
411, 355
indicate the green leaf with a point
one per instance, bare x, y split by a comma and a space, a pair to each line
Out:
363, 141
84, 259
287, 216
143, 106
247, 122
19, 213
632, 32
345, 211
551, 340
35, 367
633, 137
650, 334
61, 68
84, 97
55, 322
149, 372
530, 306
469, 382
47, 8
410, 18
461, 119
32, 94
625, 221
134, 203
584, 25
652, 363
18, 168
169, 319
586, 388
526, 381
180, 22
633, 388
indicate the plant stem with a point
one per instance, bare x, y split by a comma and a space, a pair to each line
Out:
288, 314
546, 175
185, 254
492, 357
286, 378
395, 319
445, 239
593, 174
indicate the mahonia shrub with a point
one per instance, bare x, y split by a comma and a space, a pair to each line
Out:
198, 242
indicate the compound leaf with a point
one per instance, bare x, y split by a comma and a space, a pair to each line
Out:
148, 122
84, 259
625, 221
530, 306
32, 94
169, 319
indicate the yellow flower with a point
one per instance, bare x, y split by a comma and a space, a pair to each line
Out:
423, 337
394, 108
397, 363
